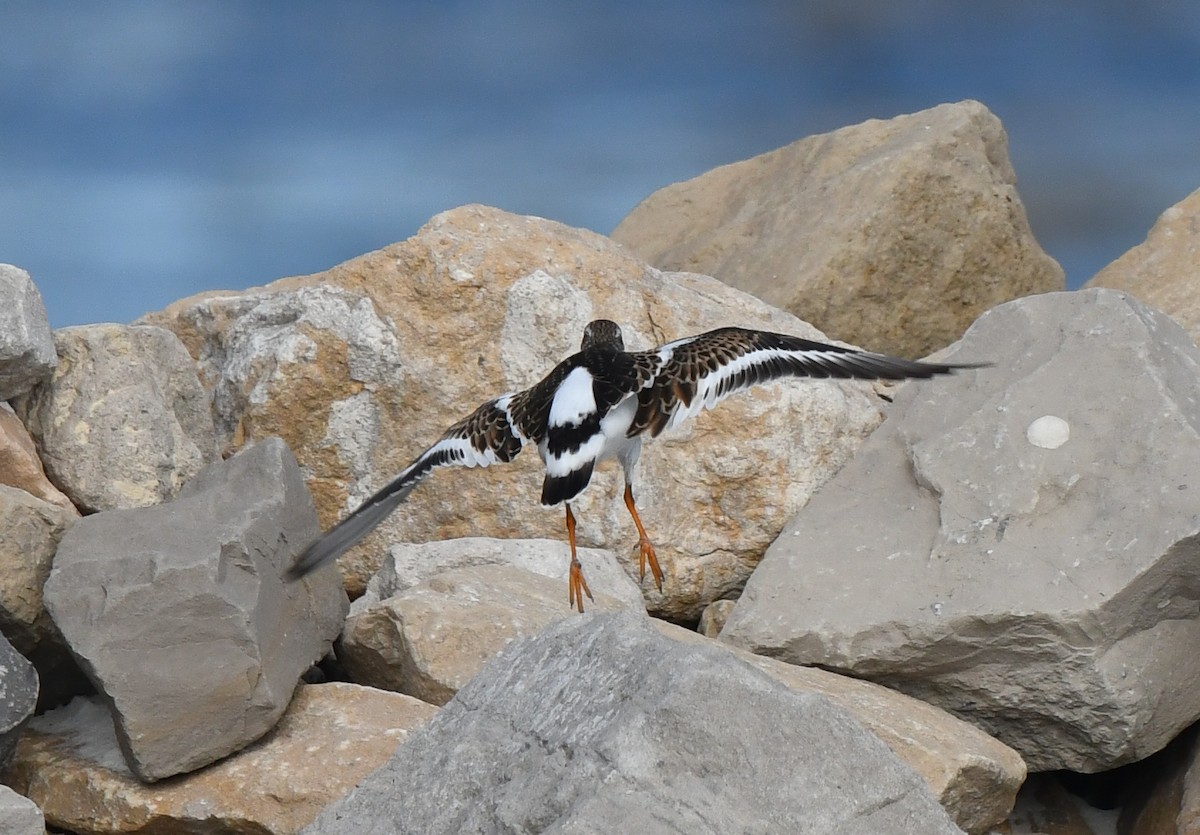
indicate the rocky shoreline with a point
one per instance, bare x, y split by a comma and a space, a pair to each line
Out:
965, 604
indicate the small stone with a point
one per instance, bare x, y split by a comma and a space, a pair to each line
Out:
1048, 432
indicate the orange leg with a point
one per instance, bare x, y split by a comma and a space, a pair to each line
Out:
577, 587
647, 547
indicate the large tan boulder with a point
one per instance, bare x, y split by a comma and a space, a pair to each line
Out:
1164, 270
122, 422
360, 368
894, 235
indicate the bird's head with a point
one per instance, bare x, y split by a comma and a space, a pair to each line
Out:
602, 333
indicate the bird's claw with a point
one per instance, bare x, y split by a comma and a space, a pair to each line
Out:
577, 587
646, 555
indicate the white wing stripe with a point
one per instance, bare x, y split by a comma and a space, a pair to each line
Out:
708, 386
463, 451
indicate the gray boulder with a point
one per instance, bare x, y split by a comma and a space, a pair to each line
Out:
602, 724
124, 421
18, 696
19, 815
26, 341
180, 616
1019, 545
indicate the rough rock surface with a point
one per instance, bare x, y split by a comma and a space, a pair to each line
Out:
179, 615
974, 776
894, 235
408, 564
363, 366
1033, 554
124, 421
600, 724
20, 466
19, 815
431, 639
712, 620
1161, 271
30, 530
331, 737
26, 341
18, 696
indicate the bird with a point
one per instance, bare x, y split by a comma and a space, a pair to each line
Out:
600, 404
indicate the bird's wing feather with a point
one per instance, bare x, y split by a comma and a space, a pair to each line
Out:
698, 372
495, 432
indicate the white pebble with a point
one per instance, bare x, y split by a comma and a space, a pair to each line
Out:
1048, 432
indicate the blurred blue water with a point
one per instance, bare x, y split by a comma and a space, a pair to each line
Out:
153, 150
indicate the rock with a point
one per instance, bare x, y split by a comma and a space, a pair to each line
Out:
894, 234
431, 639
18, 696
30, 530
331, 737
1040, 588
20, 466
124, 421
179, 615
1161, 271
973, 776
19, 815
712, 621
360, 368
26, 343
409, 564
604, 725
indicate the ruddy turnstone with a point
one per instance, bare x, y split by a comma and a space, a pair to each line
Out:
598, 405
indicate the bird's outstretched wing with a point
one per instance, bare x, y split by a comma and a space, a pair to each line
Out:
492, 433
698, 372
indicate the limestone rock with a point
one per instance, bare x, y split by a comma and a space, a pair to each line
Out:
894, 234
180, 616
431, 639
124, 421
26, 342
974, 776
19, 815
18, 696
30, 530
604, 725
331, 737
408, 564
712, 621
29, 533
1161, 271
362, 367
1030, 553
20, 466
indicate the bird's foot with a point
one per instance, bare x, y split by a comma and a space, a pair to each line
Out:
646, 555
577, 587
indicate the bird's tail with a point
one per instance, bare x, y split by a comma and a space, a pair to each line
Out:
354, 527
